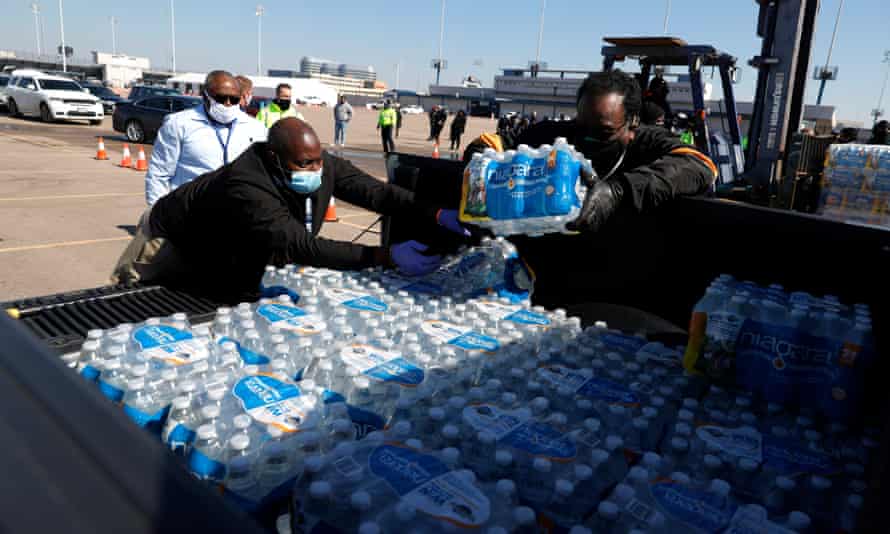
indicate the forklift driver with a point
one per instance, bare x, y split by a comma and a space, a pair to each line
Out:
637, 167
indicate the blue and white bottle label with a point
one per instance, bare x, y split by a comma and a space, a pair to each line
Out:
520, 431
696, 508
622, 342
273, 402
291, 319
512, 313
169, 345
591, 387
355, 300
382, 365
460, 336
740, 442
428, 484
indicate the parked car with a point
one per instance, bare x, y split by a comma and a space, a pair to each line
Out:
374, 105
31, 92
141, 120
4, 81
413, 109
108, 97
138, 92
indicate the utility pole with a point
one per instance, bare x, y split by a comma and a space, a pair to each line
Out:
173, 34
35, 8
827, 73
667, 16
113, 35
398, 65
540, 32
259, 39
62, 29
878, 112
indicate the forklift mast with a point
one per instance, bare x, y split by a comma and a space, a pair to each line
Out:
787, 28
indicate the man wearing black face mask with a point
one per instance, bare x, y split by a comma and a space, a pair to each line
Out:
215, 235
280, 108
638, 167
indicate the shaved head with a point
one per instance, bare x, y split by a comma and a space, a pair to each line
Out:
296, 144
222, 83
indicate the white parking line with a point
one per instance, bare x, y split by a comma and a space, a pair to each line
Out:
65, 197
65, 244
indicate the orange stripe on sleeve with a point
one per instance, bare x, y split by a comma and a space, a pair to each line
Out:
698, 155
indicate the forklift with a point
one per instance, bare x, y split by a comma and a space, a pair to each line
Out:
660, 52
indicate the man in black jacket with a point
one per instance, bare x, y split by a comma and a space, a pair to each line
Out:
637, 167
216, 234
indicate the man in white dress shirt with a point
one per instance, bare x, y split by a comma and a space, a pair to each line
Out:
201, 139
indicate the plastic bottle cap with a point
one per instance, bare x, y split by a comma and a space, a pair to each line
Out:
405, 511
564, 487
414, 443
135, 384
680, 444
712, 461
503, 458
598, 456
437, 413
638, 474
523, 515
360, 500
402, 428
720, 487
320, 489
542, 465
680, 477
614, 442
457, 403
242, 421
450, 431
239, 442
608, 510
206, 432
820, 483
210, 411
505, 487
274, 432
450, 455
314, 463
747, 464
798, 520
181, 403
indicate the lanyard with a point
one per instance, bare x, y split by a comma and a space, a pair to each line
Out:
225, 146
308, 218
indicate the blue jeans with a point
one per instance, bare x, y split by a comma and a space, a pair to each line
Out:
340, 132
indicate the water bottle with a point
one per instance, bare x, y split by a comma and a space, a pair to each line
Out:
90, 360
206, 457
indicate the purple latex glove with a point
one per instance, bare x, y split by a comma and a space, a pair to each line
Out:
410, 260
448, 219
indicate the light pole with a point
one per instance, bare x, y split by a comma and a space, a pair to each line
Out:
439, 63
398, 67
877, 112
540, 33
667, 16
113, 36
827, 73
35, 8
62, 29
259, 39
173, 34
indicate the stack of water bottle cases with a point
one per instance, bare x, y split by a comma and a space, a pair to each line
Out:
375, 403
856, 184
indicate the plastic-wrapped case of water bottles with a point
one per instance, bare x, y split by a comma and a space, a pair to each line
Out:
856, 184
361, 406
789, 348
531, 191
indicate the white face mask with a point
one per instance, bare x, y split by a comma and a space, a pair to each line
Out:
220, 112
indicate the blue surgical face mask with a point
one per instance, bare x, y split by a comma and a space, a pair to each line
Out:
305, 182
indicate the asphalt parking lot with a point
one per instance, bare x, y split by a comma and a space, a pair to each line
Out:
65, 217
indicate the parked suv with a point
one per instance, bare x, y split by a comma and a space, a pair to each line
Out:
108, 97
4, 81
51, 98
141, 120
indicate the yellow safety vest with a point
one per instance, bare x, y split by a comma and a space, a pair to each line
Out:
387, 117
271, 114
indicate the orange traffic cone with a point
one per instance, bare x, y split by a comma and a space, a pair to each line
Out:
141, 162
435, 150
330, 215
126, 159
100, 151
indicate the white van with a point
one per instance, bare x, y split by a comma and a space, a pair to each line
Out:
31, 92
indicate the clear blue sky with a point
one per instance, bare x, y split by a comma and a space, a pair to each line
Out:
222, 34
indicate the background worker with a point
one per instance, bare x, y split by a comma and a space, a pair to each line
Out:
458, 125
280, 108
201, 139
217, 234
342, 116
386, 121
246, 87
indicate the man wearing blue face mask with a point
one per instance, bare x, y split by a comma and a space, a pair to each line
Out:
201, 139
215, 235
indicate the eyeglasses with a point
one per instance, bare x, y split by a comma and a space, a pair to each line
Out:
609, 134
226, 100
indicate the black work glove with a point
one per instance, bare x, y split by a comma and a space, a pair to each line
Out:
600, 202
